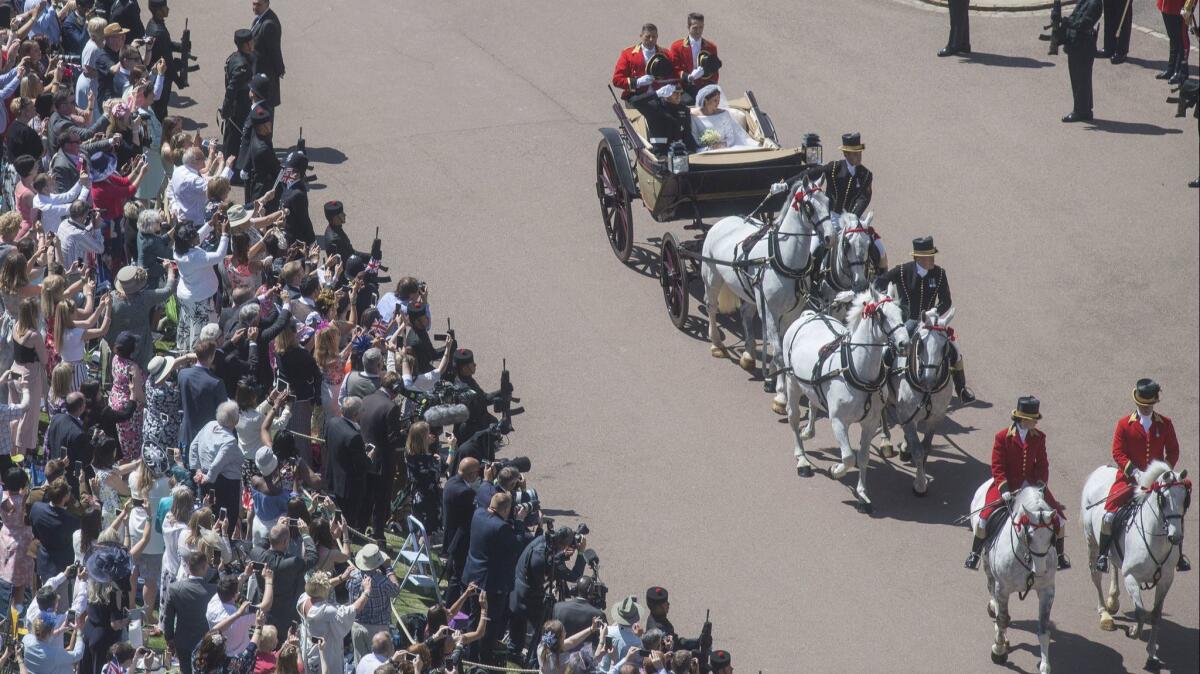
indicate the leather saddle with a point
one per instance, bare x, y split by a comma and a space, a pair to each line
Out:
995, 523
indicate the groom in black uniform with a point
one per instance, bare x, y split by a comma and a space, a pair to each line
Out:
667, 119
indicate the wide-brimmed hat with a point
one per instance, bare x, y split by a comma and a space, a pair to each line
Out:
114, 29
131, 279
923, 247
627, 613
109, 563
238, 215
369, 558
156, 460
852, 142
101, 165
660, 66
265, 461
1028, 407
1145, 392
159, 368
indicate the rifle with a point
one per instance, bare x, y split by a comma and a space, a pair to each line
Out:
1055, 38
185, 57
503, 399
705, 652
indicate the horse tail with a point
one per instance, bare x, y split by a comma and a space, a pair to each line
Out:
727, 302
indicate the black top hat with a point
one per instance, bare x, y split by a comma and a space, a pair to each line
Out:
660, 66
259, 83
710, 62
719, 660
852, 142
923, 246
1146, 392
656, 595
241, 36
157, 4
333, 209
463, 357
1028, 407
259, 116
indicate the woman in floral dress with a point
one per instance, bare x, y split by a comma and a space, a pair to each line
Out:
128, 384
16, 566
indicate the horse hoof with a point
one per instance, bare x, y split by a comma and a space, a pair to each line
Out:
920, 493
1107, 624
999, 658
905, 455
1113, 605
886, 450
991, 611
1153, 664
838, 471
778, 407
717, 351
804, 471
746, 362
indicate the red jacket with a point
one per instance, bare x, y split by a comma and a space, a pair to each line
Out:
1133, 447
681, 55
1014, 464
1170, 6
631, 65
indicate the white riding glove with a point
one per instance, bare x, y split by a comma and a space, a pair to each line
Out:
1136, 475
1007, 496
645, 80
696, 73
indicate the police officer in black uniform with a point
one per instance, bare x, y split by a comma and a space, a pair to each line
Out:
163, 48
261, 163
923, 285
960, 29
259, 84
297, 223
129, 15
667, 119
464, 378
1080, 42
235, 109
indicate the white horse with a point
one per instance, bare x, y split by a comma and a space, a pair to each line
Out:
1019, 559
919, 392
849, 257
1146, 550
841, 369
775, 287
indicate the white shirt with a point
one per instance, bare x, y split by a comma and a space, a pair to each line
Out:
237, 635
648, 53
77, 242
369, 664
197, 278
1022, 431
1146, 419
849, 167
140, 518
921, 271
55, 207
191, 193
696, 44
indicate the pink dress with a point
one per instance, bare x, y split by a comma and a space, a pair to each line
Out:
129, 432
15, 565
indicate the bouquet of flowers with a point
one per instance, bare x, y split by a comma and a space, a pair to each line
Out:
711, 138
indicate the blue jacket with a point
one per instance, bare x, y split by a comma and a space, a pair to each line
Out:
492, 557
200, 392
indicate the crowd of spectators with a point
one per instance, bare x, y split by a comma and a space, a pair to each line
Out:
211, 418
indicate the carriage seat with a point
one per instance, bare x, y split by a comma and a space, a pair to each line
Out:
739, 108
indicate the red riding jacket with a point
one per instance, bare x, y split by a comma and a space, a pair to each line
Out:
681, 55
631, 65
1014, 464
1135, 447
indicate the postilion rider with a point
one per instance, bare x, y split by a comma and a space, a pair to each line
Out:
1018, 459
1138, 439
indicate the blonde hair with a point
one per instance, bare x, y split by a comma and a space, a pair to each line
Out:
318, 586
286, 339
95, 26
201, 519
182, 501
63, 320
62, 381
10, 223
218, 188
13, 276
53, 288
325, 349
418, 439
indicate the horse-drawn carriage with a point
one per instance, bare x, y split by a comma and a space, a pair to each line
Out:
692, 187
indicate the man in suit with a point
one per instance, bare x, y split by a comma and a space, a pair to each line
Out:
528, 599
53, 527
1080, 44
346, 460
163, 48
686, 54
201, 391
65, 117
1118, 24
67, 437
380, 422
960, 29
184, 612
129, 15
492, 565
922, 285
267, 50
458, 508
289, 569
630, 74
298, 224
235, 108
262, 165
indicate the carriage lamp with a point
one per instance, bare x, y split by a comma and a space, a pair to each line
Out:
812, 148
677, 157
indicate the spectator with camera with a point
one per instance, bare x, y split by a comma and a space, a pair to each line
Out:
44, 651
288, 567
375, 614
542, 563
496, 543
579, 610
231, 619
458, 509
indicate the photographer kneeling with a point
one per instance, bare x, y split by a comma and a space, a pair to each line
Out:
578, 612
543, 560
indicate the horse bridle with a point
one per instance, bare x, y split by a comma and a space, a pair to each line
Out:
1159, 490
836, 261
915, 368
1027, 525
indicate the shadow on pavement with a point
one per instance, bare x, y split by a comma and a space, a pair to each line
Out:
1005, 61
1175, 641
1146, 63
180, 101
644, 259
190, 124
1133, 128
1067, 650
325, 155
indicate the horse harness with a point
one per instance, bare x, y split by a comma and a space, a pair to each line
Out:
1026, 562
742, 262
1133, 520
831, 270
913, 370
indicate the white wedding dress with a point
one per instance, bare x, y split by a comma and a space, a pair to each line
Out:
732, 133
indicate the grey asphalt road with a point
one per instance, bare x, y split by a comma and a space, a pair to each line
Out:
467, 132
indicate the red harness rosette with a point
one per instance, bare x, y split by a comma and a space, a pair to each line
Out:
802, 195
870, 308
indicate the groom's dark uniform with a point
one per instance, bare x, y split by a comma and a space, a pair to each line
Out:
847, 192
666, 122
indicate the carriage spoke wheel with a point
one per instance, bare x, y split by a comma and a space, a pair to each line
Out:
673, 275
615, 204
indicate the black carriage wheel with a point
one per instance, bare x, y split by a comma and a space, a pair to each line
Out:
673, 275
615, 204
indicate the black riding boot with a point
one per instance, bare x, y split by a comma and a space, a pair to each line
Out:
1101, 563
1181, 70
960, 386
1169, 72
1064, 562
973, 558
1183, 564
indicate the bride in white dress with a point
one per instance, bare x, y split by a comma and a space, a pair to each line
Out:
711, 116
